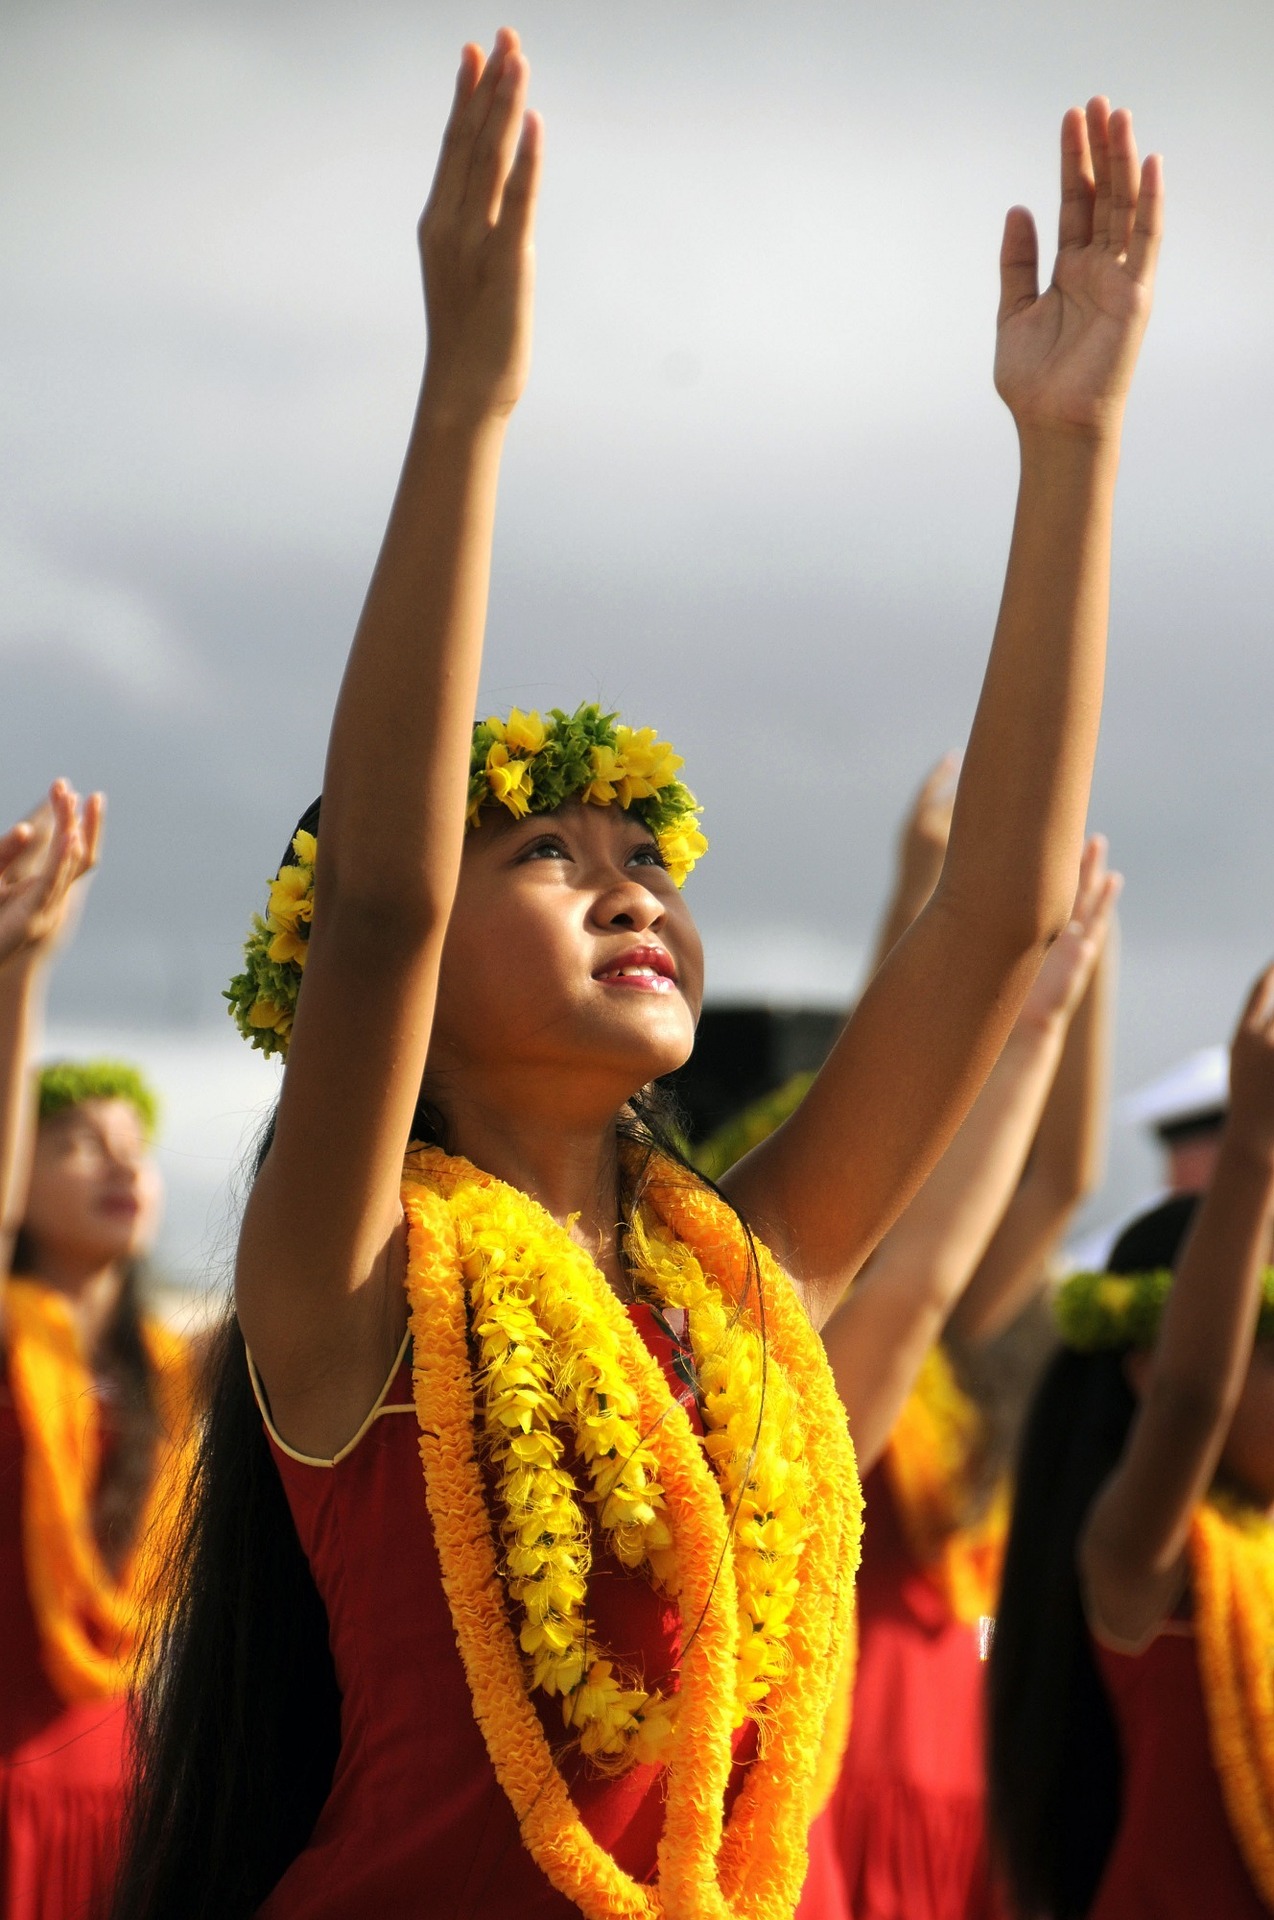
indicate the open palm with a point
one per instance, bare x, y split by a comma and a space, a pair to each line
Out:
1065, 357
41, 859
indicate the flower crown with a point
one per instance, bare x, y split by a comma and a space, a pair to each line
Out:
1095, 1311
529, 763
69, 1083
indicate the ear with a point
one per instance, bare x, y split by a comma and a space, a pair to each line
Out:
1137, 1370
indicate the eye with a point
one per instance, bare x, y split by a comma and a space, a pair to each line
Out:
647, 855
548, 846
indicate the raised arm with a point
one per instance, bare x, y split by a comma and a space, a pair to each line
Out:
896, 1309
1133, 1549
317, 1278
41, 859
1065, 1165
929, 1026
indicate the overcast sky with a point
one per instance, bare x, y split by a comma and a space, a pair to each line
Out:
758, 493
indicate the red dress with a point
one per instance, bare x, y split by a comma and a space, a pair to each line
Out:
61, 1768
910, 1806
1175, 1856
416, 1822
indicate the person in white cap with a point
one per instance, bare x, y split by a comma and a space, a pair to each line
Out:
1185, 1108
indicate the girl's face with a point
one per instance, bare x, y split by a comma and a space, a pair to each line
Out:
95, 1191
1248, 1455
570, 955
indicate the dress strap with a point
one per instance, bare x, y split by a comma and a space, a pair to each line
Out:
381, 1405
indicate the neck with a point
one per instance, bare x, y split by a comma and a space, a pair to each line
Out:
570, 1164
91, 1289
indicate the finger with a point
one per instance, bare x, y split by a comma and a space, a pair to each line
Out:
1260, 1002
1092, 878
60, 863
943, 776
1103, 908
14, 842
497, 143
91, 829
522, 188
1125, 177
1019, 264
1098, 116
476, 83
1147, 227
1075, 220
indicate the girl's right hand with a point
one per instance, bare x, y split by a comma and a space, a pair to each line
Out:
41, 859
477, 239
1252, 1071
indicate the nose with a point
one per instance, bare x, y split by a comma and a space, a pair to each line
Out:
628, 907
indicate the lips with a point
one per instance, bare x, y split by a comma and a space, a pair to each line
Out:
120, 1206
640, 970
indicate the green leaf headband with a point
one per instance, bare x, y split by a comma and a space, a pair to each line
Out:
529, 763
1101, 1310
69, 1083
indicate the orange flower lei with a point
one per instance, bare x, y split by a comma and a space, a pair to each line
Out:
707, 1871
89, 1619
930, 1462
1232, 1577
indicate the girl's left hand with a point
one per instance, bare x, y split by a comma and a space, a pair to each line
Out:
1069, 964
41, 859
1064, 359
477, 238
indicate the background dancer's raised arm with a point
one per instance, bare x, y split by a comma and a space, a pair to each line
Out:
909, 1288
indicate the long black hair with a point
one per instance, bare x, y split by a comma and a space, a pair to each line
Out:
237, 1723
1054, 1764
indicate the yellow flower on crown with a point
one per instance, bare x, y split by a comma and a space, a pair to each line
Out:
649, 764
509, 780
608, 769
522, 733
1115, 1292
681, 847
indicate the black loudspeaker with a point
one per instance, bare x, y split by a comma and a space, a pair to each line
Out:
742, 1052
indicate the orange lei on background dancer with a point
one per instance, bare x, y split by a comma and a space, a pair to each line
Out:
89, 1619
932, 1464
1232, 1578
465, 1229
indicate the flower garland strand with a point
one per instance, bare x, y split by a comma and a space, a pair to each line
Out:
757, 1866
1232, 1578
931, 1463
761, 1870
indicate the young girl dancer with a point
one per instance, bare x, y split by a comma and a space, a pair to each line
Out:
91, 1395
1131, 1694
533, 1684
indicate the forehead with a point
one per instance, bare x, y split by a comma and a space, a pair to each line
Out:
115, 1119
498, 828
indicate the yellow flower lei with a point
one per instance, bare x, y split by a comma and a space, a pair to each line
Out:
529, 763
89, 1619
691, 1244
930, 1464
1232, 1579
